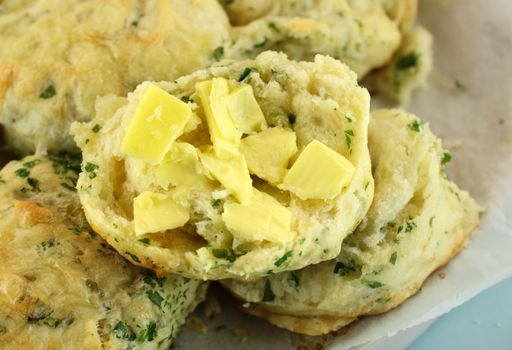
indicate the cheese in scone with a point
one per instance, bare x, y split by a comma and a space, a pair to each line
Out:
318, 173
180, 167
155, 212
223, 132
263, 218
232, 173
158, 120
267, 153
244, 110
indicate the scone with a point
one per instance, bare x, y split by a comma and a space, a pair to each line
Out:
62, 286
239, 171
409, 69
363, 34
56, 57
418, 221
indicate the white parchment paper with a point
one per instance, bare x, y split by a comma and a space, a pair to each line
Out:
473, 45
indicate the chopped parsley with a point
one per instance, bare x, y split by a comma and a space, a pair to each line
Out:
348, 137
407, 61
393, 257
447, 157
431, 221
415, 126
268, 294
133, 257
22, 172
245, 73
2, 181
32, 163
292, 118
343, 269
49, 92
155, 298
123, 332
373, 284
348, 119
68, 187
186, 99
283, 259
274, 27
261, 44
96, 128
409, 225
152, 279
223, 254
149, 333
217, 203
144, 241
91, 170
218, 53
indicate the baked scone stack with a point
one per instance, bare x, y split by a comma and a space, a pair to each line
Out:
264, 171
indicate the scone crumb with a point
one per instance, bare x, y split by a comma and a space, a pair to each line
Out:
442, 275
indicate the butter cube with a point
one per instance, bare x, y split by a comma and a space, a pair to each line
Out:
245, 110
181, 167
232, 173
159, 119
155, 212
268, 153
318, 173
263, 219
223, 132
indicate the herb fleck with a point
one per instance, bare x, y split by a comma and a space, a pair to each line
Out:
274, 27
133, 257
32, 163
123, 332
144, 241
393, 257
155, 298
96, 128
373, 284
409, 225
186, 99
348, 137
283, 259
91, 169
415, 126
407, 61
223, 254
343, 269
245, 73
149, 333
49, 92
22, 172
293, 280
218, 53
447, 157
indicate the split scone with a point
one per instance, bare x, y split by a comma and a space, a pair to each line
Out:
418, 221
56, 57
364, 34
239, 171
63, 287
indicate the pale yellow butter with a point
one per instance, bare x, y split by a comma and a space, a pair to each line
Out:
159, 119
223, 132
263, 219
268, 153
245, 110
318, 173
181, 167
232, 173
155, 212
